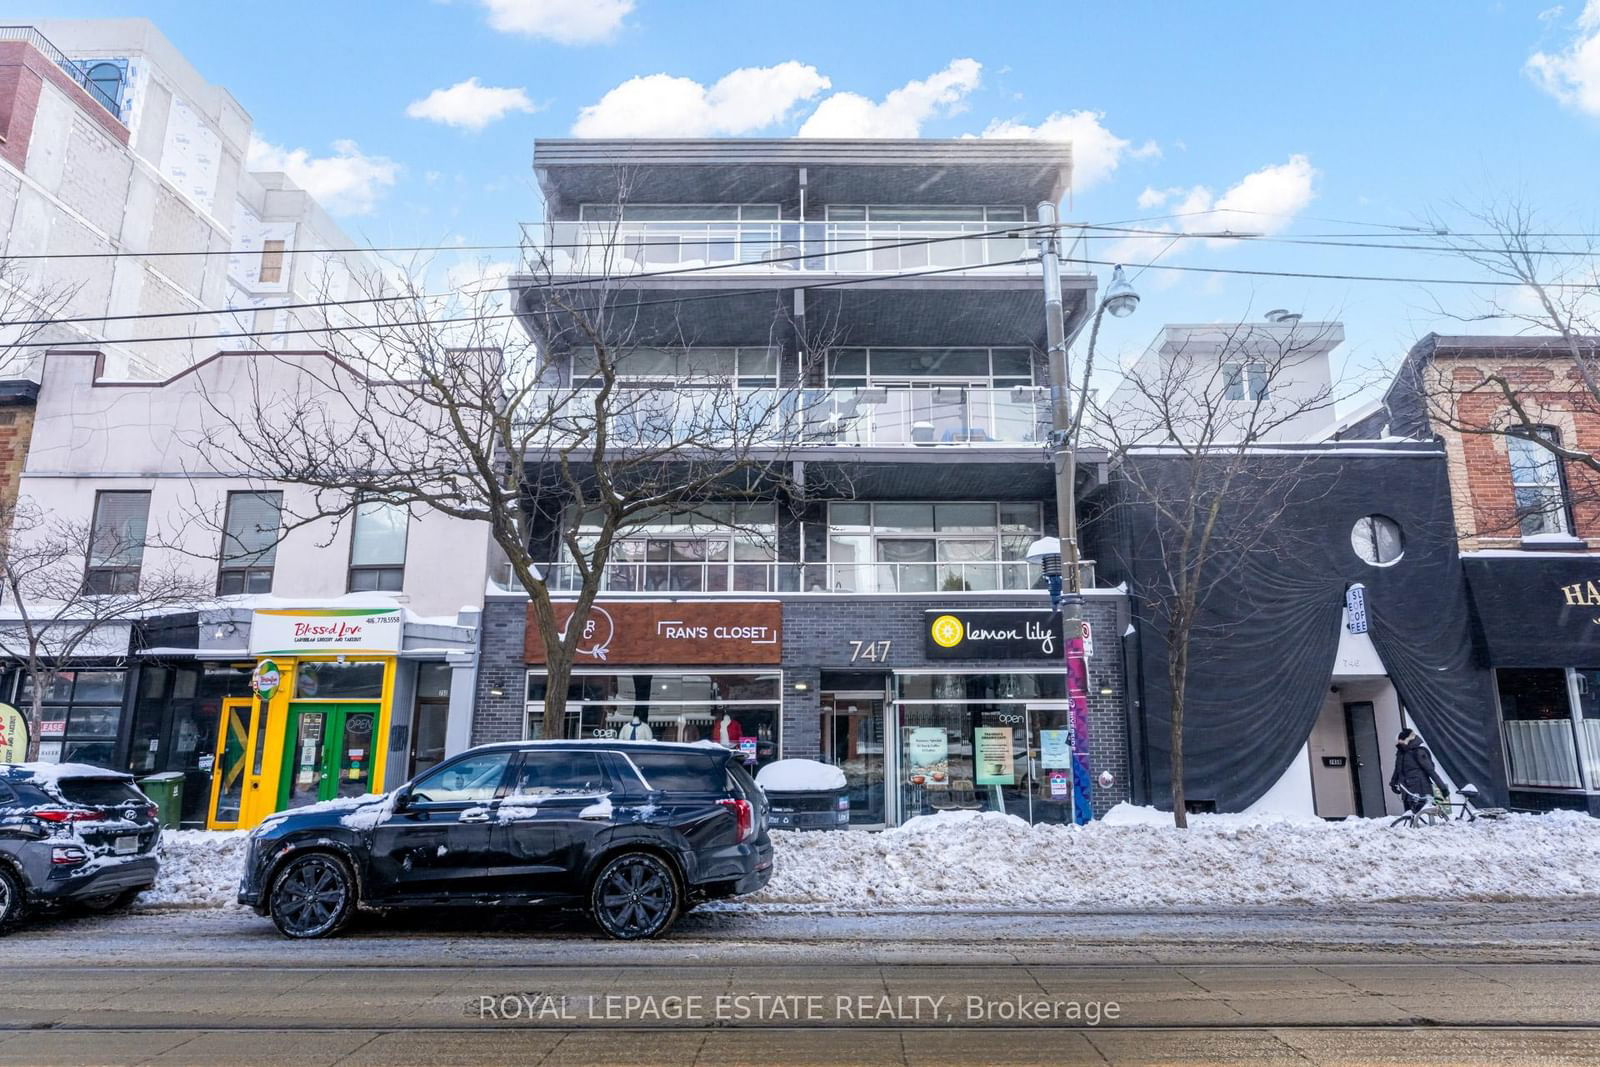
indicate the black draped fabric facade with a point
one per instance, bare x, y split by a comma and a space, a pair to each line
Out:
1265, 638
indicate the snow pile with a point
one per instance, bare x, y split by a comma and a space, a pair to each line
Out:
1134, 858
799, 776
1139, 860
199, 869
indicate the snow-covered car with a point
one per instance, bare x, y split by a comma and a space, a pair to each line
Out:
634, 832
73, 834
806, 795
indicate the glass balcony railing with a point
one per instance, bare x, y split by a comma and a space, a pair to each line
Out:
877, 416
846, 579
624, 248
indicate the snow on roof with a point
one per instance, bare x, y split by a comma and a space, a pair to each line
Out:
47, 774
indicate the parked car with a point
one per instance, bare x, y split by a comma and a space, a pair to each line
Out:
633, 832
73, 834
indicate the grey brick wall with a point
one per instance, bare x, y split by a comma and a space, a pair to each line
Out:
817, 631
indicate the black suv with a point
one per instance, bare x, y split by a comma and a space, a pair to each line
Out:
636, 832
73, 834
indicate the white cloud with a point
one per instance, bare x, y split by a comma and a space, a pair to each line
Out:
561, 21
1264, 201
349, 182
902, 112
1096, 151
1572, 76
661, 105
469, 105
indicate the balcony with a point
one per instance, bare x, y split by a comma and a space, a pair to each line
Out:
845, 579
102, 81
871, 417
611, 249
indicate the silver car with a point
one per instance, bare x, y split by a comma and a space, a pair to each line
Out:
73, 834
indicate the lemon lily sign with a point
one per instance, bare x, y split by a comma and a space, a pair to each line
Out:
998, 633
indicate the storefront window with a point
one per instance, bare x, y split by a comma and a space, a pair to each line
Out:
81, 714
1588, 683
1541, 747
338, 681
741, 711
984, 742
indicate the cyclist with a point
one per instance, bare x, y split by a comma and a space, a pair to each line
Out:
1414, 775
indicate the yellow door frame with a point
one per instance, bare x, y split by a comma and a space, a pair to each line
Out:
252, 718
263, 790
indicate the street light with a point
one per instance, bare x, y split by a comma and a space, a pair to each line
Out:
1121, 300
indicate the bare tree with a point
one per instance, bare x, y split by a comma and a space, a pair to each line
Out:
1185, 432
67, 586
564, 423
1548, 285
30, 306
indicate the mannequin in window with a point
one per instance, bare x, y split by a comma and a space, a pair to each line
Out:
726, 731
638, 730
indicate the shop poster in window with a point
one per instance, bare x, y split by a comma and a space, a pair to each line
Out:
928, 756
991, 748
1055, 749
13, 735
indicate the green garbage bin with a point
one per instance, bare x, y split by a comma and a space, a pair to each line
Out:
166, 791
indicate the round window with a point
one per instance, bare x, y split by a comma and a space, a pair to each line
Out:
1377, 540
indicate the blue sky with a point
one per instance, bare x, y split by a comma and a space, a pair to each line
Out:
1372, 114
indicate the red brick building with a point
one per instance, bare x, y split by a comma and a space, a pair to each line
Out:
1528, 524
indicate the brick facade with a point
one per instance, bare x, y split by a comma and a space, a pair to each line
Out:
16, 430
817, 632
1553, 393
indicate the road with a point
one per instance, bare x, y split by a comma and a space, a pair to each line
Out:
1426, 983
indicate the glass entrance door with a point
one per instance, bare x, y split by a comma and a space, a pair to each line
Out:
330, 753
238, 735
852, 740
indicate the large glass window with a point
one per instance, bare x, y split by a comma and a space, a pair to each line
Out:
713, 548
1541, 748
854, 368
250, 542
378, 546
116, 544
82, 711
1536, 482
741, 711
955, 546
747, 368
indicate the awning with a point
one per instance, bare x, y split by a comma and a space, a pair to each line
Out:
1538, 611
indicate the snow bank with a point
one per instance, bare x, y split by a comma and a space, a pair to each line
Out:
1134, 858
799, 776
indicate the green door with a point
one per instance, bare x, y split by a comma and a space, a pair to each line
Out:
329, 754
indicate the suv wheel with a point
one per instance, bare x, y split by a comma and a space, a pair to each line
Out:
635, 896
313, 896
12, 901
109, 901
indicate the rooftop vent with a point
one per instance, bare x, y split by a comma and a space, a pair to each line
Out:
1283, 316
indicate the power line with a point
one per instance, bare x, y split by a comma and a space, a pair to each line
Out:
375, 327
563, 284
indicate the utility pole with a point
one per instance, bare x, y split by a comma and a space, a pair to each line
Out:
1062, 441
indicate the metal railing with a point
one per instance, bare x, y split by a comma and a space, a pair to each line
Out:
611, 248
654, 416
73, 69
846, 579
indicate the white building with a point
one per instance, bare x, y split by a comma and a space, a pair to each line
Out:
124, 165
371, 622
1272, 381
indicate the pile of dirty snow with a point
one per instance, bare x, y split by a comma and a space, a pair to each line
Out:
1134, 858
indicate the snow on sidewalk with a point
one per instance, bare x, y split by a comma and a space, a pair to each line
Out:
1134, 858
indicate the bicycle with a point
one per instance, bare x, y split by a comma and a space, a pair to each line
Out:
1436, 809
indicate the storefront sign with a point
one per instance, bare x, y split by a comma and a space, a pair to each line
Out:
992, 752
707, 633
1004, 633
928, 757
1537, 612
1355, 604
264, 680
13, 735
1055, 748
322, 631
1060, 785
